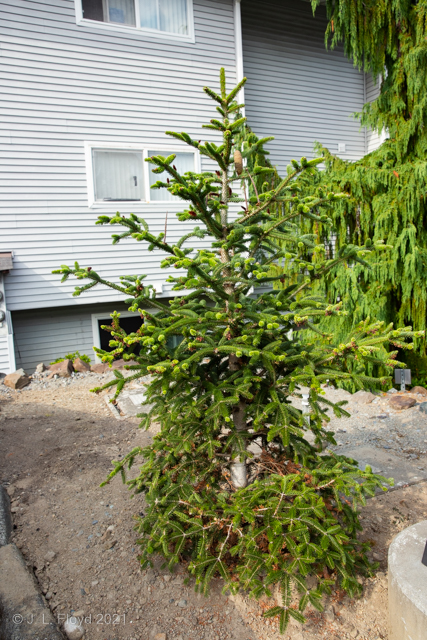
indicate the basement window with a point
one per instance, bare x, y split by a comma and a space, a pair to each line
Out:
173, 17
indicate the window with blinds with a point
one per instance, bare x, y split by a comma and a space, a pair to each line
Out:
168, 16
183, 162
122, 175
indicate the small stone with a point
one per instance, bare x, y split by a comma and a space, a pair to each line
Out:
353, 632
17, 380
109, 544
400, 403
182, 603
94, 583
80, 365
166, 578
95, 522
377, 557
392, 390
11, 490
160, 636
49, 595
73, 629
50, 556
329, 615
421, 391
40, 368
364, 397
79, 614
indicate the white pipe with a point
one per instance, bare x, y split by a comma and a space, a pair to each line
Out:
238, 474
239, 49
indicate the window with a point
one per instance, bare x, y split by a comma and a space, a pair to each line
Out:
183, 162
117, 175
173, 17
121, 174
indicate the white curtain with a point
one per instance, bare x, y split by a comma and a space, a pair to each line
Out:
118, 175
173, 16
183, 162
165, 15
120, 11
148, 10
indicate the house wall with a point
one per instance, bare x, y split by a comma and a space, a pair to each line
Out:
63, 84
373, 138
43, 335
4, 355
296, 89
7, 361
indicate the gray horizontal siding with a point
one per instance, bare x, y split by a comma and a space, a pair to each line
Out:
63, 84
4, 355
296, 90
372, 92
51, 333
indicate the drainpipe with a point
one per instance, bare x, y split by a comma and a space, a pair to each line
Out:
239, 49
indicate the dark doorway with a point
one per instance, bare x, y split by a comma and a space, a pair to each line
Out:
130, 324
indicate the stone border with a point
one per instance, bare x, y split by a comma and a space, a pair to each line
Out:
24, 614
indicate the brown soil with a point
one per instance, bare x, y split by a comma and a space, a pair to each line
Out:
56, 446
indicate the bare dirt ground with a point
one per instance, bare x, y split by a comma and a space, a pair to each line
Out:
56, 443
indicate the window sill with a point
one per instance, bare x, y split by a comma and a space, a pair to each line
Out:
151, 33
129, 205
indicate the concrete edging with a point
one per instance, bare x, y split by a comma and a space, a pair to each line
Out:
24, 614
5, 518
407, 584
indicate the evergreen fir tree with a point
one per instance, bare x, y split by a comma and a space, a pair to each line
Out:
211, 503
387, 187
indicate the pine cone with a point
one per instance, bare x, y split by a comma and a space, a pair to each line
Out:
238, 162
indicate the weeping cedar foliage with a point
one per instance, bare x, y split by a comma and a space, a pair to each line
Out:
388, 187
232, 382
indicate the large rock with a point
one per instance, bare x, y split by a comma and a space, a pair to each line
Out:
119, 364
17, 380
421, 391
99, 367
62, 369
80, 365
364, 397
423, 407
401, 402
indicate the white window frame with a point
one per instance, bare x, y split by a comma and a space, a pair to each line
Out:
111, 205
153, 33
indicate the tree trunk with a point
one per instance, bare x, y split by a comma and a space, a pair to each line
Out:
238, 470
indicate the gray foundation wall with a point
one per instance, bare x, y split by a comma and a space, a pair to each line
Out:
42, 335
